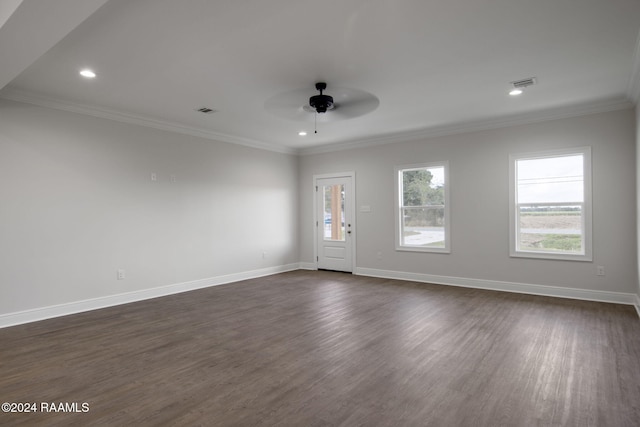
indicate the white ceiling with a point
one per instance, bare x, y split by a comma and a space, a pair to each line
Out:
435, 65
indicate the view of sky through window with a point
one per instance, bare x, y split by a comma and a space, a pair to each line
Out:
551, 180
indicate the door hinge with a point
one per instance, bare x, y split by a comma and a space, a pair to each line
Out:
316, 223
316, 188
317, 259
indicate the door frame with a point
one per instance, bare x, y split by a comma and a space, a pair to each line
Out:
350, 214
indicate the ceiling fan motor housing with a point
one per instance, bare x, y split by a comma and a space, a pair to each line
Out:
321, 103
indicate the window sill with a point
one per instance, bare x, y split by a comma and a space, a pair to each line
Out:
423, 249
551, 256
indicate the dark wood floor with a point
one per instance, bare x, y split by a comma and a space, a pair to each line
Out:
322, 348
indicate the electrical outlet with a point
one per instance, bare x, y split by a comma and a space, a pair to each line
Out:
154, 176
600, 270
264, 255
121, 274
174, 178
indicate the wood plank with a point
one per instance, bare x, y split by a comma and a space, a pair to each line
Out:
323, 348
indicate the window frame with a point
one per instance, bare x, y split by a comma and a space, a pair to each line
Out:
587, 206
399, 207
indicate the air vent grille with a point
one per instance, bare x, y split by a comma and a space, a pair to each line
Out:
205, 110
524, 82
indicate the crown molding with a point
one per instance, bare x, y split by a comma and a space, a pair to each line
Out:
105, 113
601, 106
633, 88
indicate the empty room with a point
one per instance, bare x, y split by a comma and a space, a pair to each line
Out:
339, 213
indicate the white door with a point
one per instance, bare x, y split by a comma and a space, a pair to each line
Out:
335, 228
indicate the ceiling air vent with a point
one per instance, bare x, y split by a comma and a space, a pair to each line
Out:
524, 82
205, 110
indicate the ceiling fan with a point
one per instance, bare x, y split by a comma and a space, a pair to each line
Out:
305, 105
321, 103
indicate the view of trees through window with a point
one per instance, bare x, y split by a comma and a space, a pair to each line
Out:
423, 207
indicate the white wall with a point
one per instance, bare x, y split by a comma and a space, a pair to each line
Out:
77, 203
638, 197
479, 203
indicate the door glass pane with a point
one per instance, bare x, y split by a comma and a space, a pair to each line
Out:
334, 212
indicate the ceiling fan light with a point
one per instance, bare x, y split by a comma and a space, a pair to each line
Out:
516, 92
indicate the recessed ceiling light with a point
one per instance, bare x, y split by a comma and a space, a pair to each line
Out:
87, 73
516, 92
302, 133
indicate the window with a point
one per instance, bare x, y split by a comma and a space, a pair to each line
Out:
422, 210
551, 205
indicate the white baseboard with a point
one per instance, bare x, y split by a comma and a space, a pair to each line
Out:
33, 315
521, 288
308, 266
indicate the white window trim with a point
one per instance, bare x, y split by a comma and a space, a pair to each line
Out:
447, 209
587, 204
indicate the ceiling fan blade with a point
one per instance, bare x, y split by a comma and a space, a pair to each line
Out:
354, 103
294, 105
288, 105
